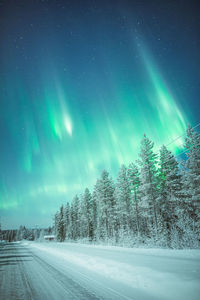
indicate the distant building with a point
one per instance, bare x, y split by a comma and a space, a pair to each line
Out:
49, 237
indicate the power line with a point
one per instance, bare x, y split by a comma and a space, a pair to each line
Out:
182, 145
174, 141
181, 153
178, 137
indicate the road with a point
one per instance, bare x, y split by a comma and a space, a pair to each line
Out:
43, 272
25, 275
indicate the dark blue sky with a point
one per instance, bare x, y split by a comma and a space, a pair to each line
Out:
80, 82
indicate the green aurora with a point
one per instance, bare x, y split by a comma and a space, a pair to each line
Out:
62, 127
68, 153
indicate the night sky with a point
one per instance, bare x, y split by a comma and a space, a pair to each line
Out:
80, 83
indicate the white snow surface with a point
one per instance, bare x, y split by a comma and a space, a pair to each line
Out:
126, 273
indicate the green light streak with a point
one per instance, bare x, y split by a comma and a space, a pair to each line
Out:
59, 118
172, 122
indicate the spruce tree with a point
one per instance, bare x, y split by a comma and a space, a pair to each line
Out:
123, 199
134, 183
171, 198
55, 226
94, 213
67, 220
61, 225
75, 218
87, 212
192, 144
192, 177
148, 186
105, 207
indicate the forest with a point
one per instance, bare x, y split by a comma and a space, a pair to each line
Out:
154, 201
23, 233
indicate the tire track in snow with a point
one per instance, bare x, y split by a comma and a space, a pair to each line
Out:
15, 283
77, 291
109, 292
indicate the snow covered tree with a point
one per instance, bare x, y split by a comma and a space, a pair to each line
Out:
86, 215
148, 186
134, 183
123, 200
75, 218
67, 220
192, 174
105, 207
192, 182
170, 192
21, 233
61, 225
11, 235
94, 213
56, 222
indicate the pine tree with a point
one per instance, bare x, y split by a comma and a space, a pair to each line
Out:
61, 225
192, 177
148, 187
87, 228
134, 183
192, 144
170, 192
75, 218
72, 220
123, 199
67, 220
105, 207
94, 213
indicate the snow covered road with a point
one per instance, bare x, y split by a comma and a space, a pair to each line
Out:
25, 275
76, 271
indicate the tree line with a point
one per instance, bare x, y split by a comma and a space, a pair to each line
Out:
154, 201
23, 233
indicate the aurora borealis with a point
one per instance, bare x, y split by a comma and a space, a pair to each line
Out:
80, 83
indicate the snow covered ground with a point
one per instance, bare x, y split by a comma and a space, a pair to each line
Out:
124, 273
